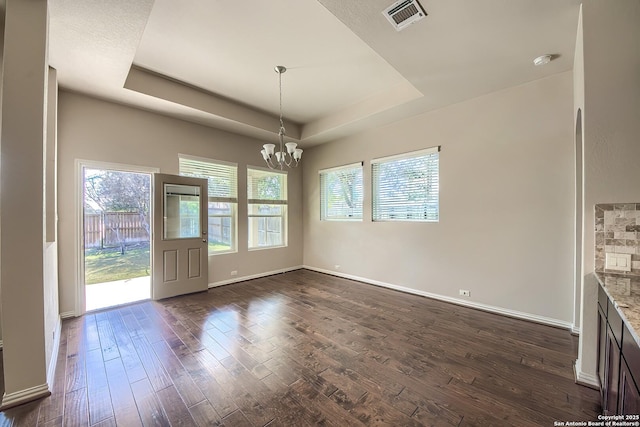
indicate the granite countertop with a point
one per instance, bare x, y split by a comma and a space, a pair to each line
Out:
624, 292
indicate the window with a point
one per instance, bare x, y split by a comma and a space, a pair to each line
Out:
341, 193
406, 187
222, 190
267, 199
181, 211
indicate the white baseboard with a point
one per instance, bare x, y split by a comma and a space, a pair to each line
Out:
67, 314
51, 373
584, 378
253, 276
23, 396
484, 307
20, 397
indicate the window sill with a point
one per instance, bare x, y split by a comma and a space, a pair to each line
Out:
407, 220
235, 251
262, 248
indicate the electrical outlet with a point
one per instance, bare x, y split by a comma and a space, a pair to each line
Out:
234, 273
465, 293
337, 266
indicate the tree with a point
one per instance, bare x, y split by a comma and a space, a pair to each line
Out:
266, 186
343, 185
270, 187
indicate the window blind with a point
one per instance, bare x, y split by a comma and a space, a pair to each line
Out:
266, 186
341, 192
406, 187
222, 198
222, 177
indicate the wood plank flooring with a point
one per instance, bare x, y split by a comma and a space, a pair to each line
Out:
302, 349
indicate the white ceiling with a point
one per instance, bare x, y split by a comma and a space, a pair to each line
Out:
211, 61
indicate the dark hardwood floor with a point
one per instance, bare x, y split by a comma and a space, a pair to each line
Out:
302, 349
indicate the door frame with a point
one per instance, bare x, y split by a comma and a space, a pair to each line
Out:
80, 165
578, 266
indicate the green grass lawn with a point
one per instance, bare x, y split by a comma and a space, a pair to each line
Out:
217, 246
108, 265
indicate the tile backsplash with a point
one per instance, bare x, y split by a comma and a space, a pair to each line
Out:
618, 231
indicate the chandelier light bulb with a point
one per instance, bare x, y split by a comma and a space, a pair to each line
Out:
269, 149
291, 147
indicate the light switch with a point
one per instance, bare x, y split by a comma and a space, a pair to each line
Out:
618, 262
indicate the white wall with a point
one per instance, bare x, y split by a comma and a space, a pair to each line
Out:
91, 129
611, 129
50, 246
578, 120
506, 204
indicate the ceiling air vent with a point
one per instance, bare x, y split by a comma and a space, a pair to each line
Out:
403, 13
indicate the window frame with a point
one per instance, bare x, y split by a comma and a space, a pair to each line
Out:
324, 175
282, 202
377, 214
231, 200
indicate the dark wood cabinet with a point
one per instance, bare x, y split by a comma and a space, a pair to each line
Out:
629, 398
608, 365
602, 350
618, 361
612, 375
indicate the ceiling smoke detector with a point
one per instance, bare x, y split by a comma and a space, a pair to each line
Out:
403, 13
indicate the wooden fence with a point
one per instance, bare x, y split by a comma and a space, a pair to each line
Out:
113, 229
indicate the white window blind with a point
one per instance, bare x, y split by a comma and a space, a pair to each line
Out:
266, 186
222, 177
341, 193
406, 187
267, 208
222, 189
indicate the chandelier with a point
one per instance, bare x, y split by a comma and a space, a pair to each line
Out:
282, 158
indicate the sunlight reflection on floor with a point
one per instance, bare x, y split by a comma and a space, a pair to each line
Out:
108, 294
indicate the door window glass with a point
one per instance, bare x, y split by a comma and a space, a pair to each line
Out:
181, 211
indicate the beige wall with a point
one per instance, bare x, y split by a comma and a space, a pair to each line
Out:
95, 130
611, 124
24, 95
2, 13
506, 204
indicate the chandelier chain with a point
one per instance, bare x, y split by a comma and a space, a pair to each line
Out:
280, 88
